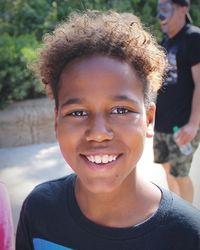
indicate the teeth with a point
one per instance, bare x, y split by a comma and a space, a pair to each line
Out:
105, 158
101, 158
97, 159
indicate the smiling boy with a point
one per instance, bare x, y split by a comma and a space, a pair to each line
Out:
102, 72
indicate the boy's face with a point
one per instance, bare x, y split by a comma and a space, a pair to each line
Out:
101, 122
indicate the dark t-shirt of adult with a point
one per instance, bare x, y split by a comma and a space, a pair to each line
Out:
174, 100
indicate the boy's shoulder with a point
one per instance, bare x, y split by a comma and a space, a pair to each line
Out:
182, 213
49, 192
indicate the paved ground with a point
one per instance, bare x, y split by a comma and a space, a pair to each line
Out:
21, 168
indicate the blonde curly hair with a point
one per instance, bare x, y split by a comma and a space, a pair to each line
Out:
111, 34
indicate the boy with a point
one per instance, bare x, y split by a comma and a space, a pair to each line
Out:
102, 72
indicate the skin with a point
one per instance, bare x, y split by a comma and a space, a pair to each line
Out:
101, 111
189, 130
175, 23
183, 185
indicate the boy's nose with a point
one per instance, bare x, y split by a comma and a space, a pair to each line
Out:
99, 130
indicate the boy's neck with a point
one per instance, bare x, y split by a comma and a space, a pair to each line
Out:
122, 208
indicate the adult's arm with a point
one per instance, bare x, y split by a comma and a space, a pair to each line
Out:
189, 130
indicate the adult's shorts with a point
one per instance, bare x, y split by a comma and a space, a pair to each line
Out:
166, 150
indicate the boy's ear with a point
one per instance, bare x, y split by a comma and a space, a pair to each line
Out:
55, 120
150, 120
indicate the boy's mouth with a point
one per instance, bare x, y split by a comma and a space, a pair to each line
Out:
99, 159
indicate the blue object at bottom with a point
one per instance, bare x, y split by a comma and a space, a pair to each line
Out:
40, 244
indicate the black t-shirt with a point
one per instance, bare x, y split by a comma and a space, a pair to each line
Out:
51, 220
175, 97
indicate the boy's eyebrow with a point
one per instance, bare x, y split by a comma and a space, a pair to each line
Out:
73, 101
124, 98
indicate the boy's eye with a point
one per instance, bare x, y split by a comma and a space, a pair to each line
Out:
120, 111
78, 113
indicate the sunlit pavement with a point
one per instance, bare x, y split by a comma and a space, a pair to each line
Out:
22, 168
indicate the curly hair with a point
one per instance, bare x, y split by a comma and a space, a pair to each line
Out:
111, 34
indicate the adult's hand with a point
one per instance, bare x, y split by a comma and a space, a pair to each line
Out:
186, 134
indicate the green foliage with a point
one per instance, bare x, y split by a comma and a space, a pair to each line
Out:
23, 22
16, 81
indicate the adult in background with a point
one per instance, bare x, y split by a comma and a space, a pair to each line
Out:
178, 102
